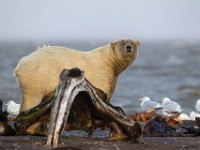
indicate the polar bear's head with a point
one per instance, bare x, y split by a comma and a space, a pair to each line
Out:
126, 51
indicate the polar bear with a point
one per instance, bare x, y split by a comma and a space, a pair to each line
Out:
38, 73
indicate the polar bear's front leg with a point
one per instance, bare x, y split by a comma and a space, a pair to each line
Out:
30, 99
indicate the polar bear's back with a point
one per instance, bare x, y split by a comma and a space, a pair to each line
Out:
47, 58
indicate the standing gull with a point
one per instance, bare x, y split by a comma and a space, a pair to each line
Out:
170, 108
193, 115
13, 108
148, 105
183, 116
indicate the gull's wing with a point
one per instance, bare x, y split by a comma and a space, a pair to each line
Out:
150, 105
172, 106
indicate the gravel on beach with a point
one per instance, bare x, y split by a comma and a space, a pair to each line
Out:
147, 143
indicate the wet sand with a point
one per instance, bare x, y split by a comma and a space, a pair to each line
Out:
147, 143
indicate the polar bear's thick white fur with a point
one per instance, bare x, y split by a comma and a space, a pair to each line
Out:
38, 73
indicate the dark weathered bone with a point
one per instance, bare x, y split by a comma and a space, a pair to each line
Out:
100, 111
62, 105
65, 95
27, 118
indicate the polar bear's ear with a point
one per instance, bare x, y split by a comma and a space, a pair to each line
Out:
137, 43
112, 45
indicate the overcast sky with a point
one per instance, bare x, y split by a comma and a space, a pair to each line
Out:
99, 19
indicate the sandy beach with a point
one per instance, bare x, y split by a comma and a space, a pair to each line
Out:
83, 143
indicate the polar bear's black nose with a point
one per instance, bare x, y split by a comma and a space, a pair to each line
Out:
128, 48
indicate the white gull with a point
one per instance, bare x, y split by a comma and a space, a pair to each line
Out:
170, 108
183, 116
148, 105
13, 108
193, 115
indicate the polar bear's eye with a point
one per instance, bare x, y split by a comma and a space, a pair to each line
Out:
123, 44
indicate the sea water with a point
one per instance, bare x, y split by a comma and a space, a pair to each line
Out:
162, 69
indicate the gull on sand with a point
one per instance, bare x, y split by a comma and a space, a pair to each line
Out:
193, 115
170, 108
13, 108
183, 116
148, 105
